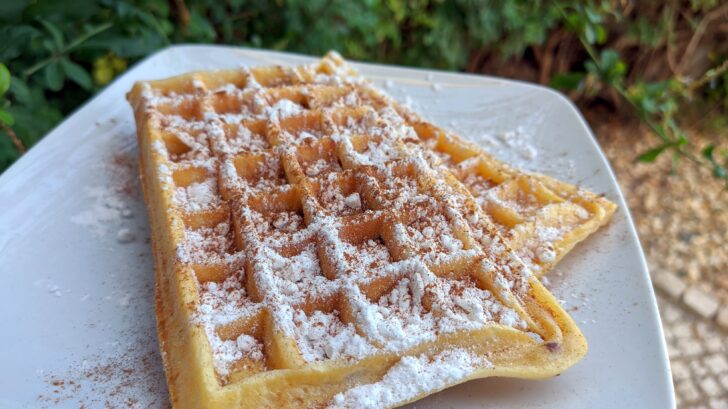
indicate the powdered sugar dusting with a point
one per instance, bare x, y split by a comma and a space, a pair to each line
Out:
303, 202
322, 336
198, 196
410, 378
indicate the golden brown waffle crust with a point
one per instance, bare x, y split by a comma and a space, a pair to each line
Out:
192, 379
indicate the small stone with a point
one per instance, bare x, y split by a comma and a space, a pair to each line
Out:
687, 390
682, 330
715, 344
690, 346
703, 329
719, 403
710, 387
722, 318
723, 282
670, 313
125, 235
694, 272
717, 363
698, 369
670, 283
651, 200
703, 304
672, 351
680, 371
724, 381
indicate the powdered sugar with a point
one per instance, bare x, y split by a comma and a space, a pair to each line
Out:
290, 280
284, 108
410, 378
292, 218
353, 201
322, 336
205, 245
433, 238
226, 352
198, 195
223, 303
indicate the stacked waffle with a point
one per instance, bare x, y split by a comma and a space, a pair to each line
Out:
317, 245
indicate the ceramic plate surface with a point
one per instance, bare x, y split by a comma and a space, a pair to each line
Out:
76, 300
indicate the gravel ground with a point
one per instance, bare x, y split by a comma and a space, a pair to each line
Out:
682, 220
681, 216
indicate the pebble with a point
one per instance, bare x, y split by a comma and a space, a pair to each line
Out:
717, 363
682, 218
722, 318
703, 304
710, 387
670, 283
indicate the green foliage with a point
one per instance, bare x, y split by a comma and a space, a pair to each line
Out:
655, 103
5, 117
60, 53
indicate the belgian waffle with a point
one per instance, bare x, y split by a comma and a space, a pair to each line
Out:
541, 218
314, 253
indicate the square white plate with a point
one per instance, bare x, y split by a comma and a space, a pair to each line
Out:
76, 302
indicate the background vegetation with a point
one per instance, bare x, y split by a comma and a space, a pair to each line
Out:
662, 62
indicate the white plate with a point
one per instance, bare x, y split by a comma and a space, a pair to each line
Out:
76, 304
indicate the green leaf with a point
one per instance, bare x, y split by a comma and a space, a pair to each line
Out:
10, 10
601, 34
589, 34
593, 16
199, 29
573, 22
77, 74
682, 139
609, 59
707, 152
54, 77
20, 91
652, 154
6, 118
568, 81
55, 33
4, 79
16, 38
125, 47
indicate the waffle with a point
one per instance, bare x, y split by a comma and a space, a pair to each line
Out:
316, 253
541, 218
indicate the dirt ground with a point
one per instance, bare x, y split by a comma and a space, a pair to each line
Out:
681, 214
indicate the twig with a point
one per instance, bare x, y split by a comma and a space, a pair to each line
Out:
670, 41
547, 60
183, 13
658, 130
698, 35
709, 75
14, 138
73, 44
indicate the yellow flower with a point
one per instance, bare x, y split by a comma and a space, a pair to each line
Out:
107, 67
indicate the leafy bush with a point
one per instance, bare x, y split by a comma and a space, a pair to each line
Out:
56, 54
